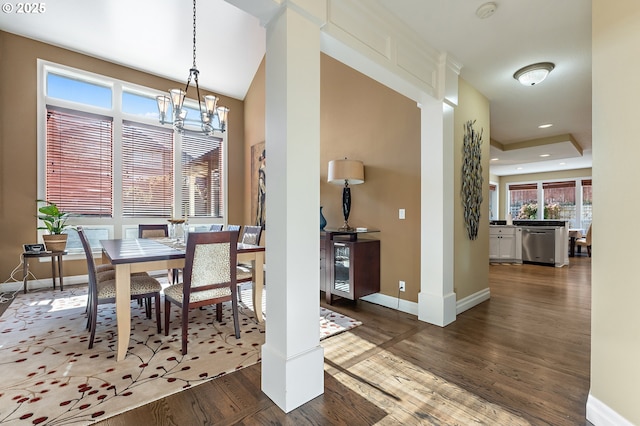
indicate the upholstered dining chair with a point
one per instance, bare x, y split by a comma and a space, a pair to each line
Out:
153, 230
102, 290
158, 231
234, 228
217, 227
208, 279
585, 242
244, 271
251, 234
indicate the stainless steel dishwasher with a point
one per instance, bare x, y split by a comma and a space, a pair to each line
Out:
539, 245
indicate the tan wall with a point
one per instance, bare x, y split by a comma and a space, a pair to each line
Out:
534, 177
615, 317
364, 120
471, 257
18, 141
254, 131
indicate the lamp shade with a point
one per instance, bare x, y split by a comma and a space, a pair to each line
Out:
351, 171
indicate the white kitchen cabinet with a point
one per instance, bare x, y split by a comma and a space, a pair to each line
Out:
505, 244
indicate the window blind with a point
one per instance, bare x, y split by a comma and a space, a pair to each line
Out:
564, 184
523, 186
202, 182
79, 171
147, 170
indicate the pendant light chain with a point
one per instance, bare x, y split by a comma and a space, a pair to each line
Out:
208, 111
194, 70
194, 34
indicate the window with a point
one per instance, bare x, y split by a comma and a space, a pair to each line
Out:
568, 200
77, 90
147, 171
79, 177
493, 201
201, 180
587, 204
560, 201
523, 201
106, 159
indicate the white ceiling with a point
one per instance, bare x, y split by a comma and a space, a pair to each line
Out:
491, 50
156, 36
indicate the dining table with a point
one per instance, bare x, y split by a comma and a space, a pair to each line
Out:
147, 254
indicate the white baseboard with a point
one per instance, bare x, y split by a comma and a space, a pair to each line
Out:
412, 307
472, 300
601, 414
392, 302
43, 283
377, 298
47, 283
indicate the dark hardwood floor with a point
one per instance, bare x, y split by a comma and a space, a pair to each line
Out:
521, 358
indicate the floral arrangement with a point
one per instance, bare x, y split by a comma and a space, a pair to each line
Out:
530, 211
552, 211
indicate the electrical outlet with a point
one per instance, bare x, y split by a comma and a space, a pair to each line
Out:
401, 285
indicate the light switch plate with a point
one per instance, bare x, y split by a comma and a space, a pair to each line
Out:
401, 214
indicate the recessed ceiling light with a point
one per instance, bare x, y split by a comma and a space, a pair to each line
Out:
494, 159
545, 155
533, 74
545, 126
518, 168
562, 164
486, 10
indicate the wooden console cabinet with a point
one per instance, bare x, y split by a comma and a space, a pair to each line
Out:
349, 267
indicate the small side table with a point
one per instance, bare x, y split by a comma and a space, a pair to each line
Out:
56, 255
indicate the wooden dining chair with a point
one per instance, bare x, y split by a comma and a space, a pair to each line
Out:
208, 279
158, 231
103, 290
153, 230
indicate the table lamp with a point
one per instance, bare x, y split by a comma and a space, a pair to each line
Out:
347, 172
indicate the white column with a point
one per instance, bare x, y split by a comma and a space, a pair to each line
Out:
436, 301
292, 358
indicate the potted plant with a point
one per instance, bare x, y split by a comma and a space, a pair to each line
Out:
55, 222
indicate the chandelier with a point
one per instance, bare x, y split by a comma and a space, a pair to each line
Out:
212, 117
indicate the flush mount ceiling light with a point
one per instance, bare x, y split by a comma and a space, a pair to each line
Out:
533, 74
211, 116
486, 10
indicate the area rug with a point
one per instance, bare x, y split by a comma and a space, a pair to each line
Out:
49, 377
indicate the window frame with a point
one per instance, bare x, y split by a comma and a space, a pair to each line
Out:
541, 199
117, 226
